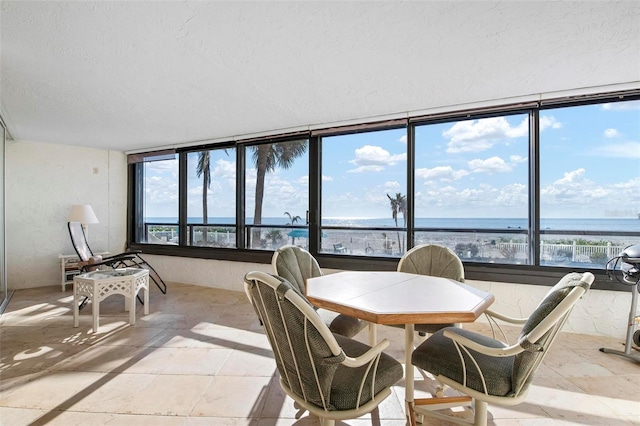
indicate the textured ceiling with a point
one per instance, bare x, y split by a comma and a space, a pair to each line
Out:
135, 75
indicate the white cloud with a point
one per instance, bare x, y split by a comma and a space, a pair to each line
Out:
572, 195
161, 188
632, 185
366, 169
326, 178
515, 159
621, 106
571, 189
371, 158
481, 195
480, 135
572, 177
622, 150
224, 169
446, 173
392, 185
515, 194
403, 139
611, 133
575, 195
549, 121
283, 193
490, 165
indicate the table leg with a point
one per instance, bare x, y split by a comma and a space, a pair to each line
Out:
408, 370
146, 298
373, 334
131, 299
95, 308
76, 307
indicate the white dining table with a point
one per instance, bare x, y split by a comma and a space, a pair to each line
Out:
392, 298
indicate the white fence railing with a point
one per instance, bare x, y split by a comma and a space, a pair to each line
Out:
574, 252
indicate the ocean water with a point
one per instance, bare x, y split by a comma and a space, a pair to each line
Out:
606, 224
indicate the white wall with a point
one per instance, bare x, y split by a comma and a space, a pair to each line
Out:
43, 182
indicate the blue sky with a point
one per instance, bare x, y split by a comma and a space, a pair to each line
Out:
590, 167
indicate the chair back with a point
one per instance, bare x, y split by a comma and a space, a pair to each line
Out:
543, 325
434, 260
295, 265
79, 241
306, 353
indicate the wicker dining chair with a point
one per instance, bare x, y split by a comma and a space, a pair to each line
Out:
436, 261
296, 265
329, 375
487, 370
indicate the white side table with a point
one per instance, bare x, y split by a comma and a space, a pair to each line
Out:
69, 267
99, 285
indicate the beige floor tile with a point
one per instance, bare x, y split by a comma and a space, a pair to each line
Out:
198, 361
303, 421
220, 421
233, 396
256, 363
25, 356
571, 405
72, 418
632, 420
614, 363
101, 359
19, 416
145, 394
59, 390
201, 358
277, 403
620, 393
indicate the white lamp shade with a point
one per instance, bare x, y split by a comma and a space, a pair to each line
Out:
82, 213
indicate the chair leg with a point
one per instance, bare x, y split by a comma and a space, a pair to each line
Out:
327, 422
480, 413
301, 410
411, 415
154, 276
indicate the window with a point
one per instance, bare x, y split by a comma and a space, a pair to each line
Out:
589, 183
277, 194
471, 187
158, 222
547, 187
211, 198
364, 190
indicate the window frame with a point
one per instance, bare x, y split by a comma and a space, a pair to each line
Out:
534, 273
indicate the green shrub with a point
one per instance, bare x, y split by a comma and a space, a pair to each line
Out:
599, 258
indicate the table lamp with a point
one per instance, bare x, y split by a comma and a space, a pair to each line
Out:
84, 214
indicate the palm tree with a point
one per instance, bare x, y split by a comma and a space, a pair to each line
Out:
266, 158
399, 205
292, 219
274, 235
204, 169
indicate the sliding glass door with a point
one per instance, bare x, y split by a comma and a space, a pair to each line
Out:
3, 270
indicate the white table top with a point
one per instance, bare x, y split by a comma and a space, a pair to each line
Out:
397, 297
112, 273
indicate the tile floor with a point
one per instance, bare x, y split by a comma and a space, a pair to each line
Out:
200, 358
